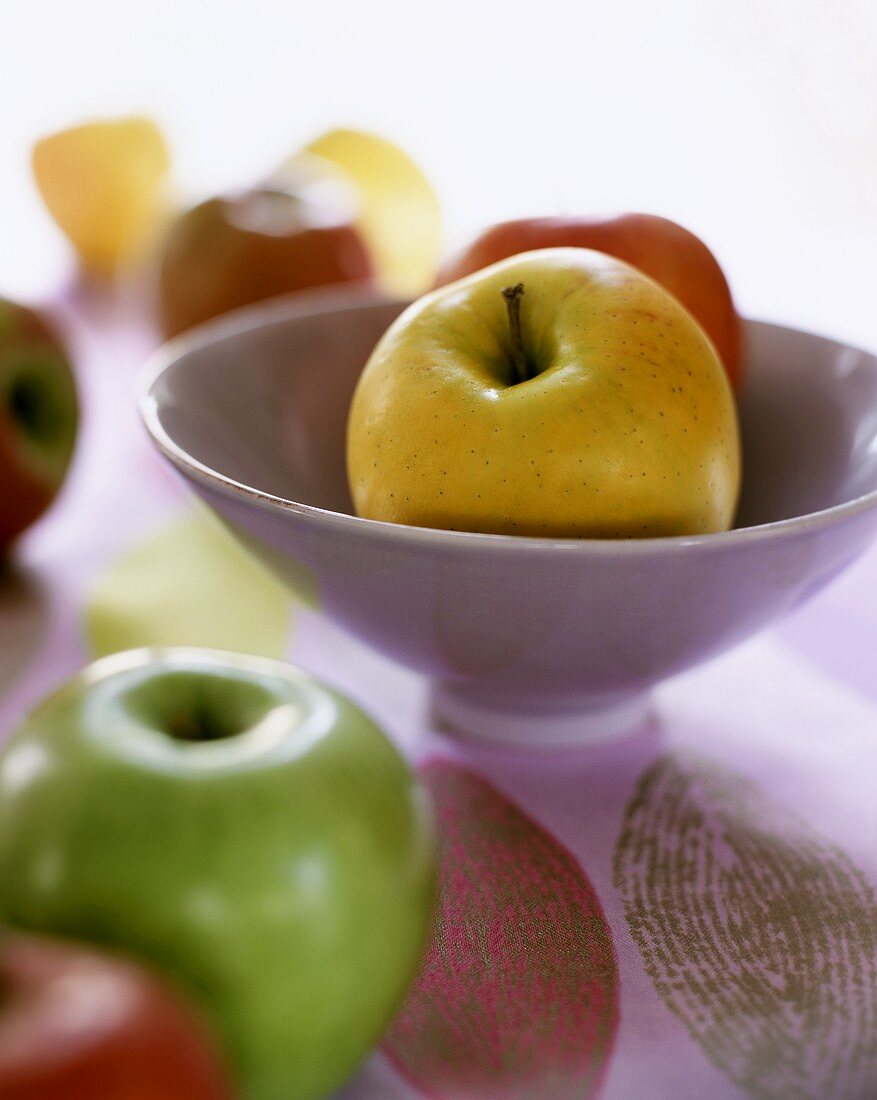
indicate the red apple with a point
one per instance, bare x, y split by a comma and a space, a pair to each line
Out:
664, 250
289, 234
38, 417
78, 1024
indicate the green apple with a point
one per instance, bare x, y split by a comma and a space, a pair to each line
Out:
559, 393
243, 827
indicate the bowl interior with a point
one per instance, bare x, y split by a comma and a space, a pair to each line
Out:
263, 402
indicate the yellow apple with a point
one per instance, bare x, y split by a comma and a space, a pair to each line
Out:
559, 393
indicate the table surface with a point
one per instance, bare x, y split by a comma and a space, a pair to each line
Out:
687, 912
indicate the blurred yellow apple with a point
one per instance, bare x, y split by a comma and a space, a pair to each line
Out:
103, 183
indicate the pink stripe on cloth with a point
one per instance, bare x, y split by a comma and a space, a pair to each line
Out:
518, 995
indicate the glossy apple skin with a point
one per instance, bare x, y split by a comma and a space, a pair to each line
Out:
663, 249
39, 415
283, 874
627, 430
78, 1024
233, 250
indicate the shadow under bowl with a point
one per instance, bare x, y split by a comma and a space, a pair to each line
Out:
526, 640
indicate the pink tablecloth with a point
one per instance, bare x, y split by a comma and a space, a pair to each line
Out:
688, 913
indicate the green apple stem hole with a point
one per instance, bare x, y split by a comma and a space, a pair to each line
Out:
196, 707
513, 295
197, 725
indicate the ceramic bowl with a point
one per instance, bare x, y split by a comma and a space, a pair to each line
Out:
524, 639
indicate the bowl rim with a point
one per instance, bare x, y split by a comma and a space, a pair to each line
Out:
321, 300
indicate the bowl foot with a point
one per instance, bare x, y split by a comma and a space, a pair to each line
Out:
460, 714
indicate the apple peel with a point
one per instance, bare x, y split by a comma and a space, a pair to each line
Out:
190, 584
399, 214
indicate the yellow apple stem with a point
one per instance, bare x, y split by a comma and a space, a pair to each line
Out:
513, 295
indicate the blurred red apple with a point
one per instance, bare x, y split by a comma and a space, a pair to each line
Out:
38, 417
77, 1024
289, 234
662, 249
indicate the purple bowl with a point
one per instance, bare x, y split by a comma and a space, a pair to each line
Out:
526, 640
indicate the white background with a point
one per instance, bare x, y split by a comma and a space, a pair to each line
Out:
754, 122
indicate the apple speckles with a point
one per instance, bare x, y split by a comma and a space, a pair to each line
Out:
644, 382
